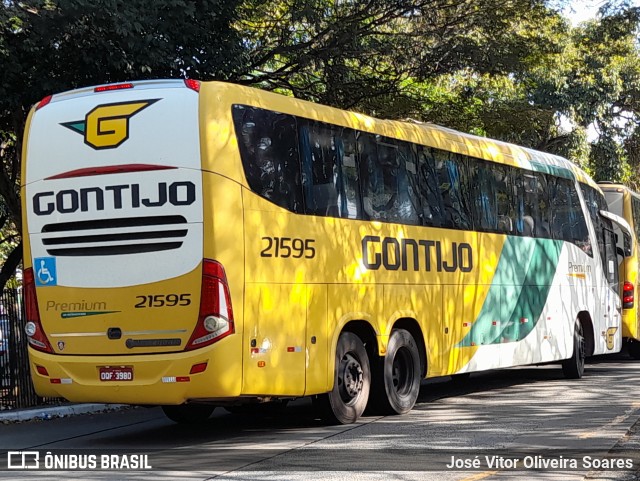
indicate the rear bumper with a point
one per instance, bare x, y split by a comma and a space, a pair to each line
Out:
157, 379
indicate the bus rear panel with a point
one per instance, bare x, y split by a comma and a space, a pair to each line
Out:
116, 264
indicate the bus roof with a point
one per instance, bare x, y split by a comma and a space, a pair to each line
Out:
424, 133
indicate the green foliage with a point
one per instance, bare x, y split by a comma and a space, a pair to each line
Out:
513, 70
368, 55
50, 46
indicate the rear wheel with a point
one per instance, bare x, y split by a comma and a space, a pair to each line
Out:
352, 381
634, 349
397, 378
188, 413
573, 368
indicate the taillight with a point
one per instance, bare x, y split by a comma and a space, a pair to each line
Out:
111, 87
192, 84
215, 319
44, 102
33, 328
627, 295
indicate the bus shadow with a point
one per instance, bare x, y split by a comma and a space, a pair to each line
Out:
300, 415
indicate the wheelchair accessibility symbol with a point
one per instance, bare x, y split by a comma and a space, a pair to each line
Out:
45, 268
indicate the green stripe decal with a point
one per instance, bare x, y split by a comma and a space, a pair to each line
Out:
518, 292
552, 169
67, 315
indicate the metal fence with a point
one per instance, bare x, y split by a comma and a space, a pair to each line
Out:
16, 390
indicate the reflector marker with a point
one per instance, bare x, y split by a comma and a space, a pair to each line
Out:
172, 379
64, 380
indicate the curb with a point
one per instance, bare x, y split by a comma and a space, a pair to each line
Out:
49, 412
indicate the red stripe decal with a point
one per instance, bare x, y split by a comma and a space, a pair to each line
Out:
113, 169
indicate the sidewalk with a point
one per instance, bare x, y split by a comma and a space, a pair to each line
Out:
49, 412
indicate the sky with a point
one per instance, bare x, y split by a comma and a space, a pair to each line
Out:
580, 10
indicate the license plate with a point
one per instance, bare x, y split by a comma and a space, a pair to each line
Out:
119, 373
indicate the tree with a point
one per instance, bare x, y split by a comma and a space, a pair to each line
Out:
49, 46
585, 81
367, 55
510, 69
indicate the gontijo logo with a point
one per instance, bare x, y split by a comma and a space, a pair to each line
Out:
107, 126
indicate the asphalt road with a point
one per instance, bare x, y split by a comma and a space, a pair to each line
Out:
523, 423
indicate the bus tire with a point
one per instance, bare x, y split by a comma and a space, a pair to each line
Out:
573, 368
634, 350
397, 380
188, 413
346, 402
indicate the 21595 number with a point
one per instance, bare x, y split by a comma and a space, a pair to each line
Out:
288, 247
163, 300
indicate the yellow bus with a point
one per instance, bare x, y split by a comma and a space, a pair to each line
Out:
626, 203
194, 245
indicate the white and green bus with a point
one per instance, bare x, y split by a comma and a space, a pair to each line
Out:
194, 245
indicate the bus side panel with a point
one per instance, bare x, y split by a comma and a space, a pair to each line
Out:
461, 306
629, 269
275, 339
317, 354
622, 202
630, 321
514, 311
424, 304
351, 302
223, 233
478, 296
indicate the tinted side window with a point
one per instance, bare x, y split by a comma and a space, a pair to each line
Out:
635, 207
543, 221
567, 218
559, 198
408, 203
531, 216
269, 151
330, 178
385, 181
595, 202
611, 263
578, 230
505, 186
427, 183
454, 189
484, 199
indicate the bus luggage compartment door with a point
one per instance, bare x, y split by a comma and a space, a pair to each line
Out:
274, 337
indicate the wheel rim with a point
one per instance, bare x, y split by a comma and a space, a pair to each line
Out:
402, 371
350, 378
581, 346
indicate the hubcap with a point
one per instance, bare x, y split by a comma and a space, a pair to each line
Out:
350, 378
402, 371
